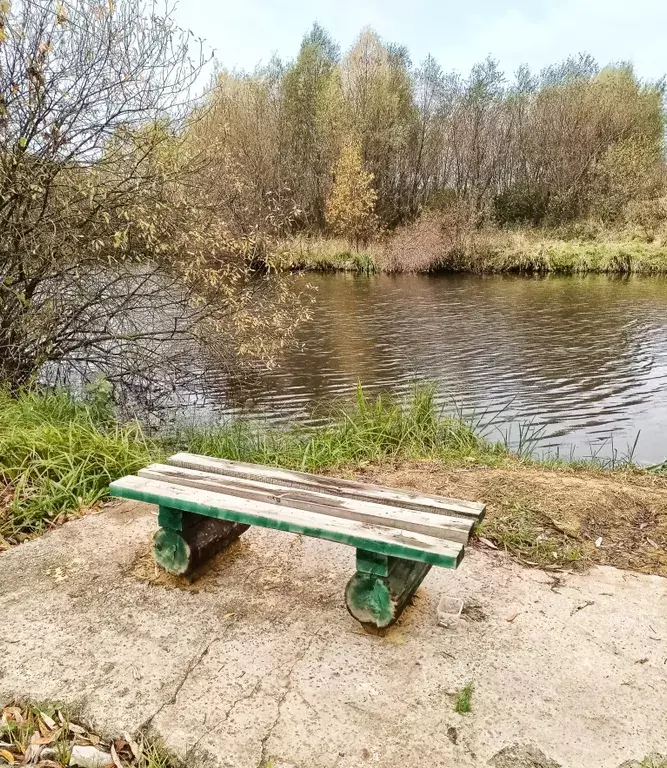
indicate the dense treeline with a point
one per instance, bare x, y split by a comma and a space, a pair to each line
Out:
543, 149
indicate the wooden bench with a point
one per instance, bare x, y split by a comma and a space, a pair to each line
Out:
205, 503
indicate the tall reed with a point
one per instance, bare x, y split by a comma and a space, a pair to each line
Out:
370, 430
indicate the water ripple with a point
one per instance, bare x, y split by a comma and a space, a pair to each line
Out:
587, 357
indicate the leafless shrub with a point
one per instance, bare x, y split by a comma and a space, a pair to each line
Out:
117, 254
436, 241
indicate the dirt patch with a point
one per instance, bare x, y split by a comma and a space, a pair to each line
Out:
554, 518
144, 568
522, 757
473, 611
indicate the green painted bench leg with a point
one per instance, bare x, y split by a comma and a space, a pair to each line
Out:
185, 540
382, 587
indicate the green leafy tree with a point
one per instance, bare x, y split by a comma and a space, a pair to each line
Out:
308, 128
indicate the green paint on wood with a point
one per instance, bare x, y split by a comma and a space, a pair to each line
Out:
404, 578
379, 600
171, 551
395, 550
202, 537
369, 600
372, 562
168, 517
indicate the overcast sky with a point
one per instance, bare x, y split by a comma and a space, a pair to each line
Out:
458, 34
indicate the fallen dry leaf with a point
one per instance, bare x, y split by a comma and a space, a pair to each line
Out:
32, 753
487, 543
134, 747
114, 756
48, 738
48, 722
511, 618
7, 756
14, 713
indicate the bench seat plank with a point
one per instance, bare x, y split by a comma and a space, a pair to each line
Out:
374, 538
333, 485
432, 524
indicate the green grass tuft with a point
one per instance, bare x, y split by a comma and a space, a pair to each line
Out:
463, 701
372, 430
58, 455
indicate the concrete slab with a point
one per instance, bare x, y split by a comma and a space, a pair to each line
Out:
259, 661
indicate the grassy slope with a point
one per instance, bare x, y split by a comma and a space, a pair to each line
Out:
529, 251
58, 456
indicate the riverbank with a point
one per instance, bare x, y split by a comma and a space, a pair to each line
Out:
57, 457
489, 251
230, 669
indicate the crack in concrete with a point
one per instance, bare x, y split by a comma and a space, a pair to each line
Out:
192, 665
228, 713
281, 700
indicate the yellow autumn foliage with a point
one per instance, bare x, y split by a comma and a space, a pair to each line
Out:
350, 209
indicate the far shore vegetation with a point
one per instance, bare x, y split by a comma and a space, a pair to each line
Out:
398, 166
488, 251
58, 455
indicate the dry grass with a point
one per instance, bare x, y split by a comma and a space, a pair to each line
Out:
553, 518
332, 254
448, 243
491, 251
46, 734
419, 247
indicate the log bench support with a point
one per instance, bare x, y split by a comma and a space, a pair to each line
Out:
185, 540
381, 588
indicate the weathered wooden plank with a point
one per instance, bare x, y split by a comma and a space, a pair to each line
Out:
442, 526
182, 548
375, 538
332, 485
379, 591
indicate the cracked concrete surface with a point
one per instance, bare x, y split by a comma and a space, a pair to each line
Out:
259, 660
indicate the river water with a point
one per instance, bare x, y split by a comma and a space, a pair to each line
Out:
582, 360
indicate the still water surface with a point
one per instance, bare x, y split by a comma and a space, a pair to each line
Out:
584, 358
